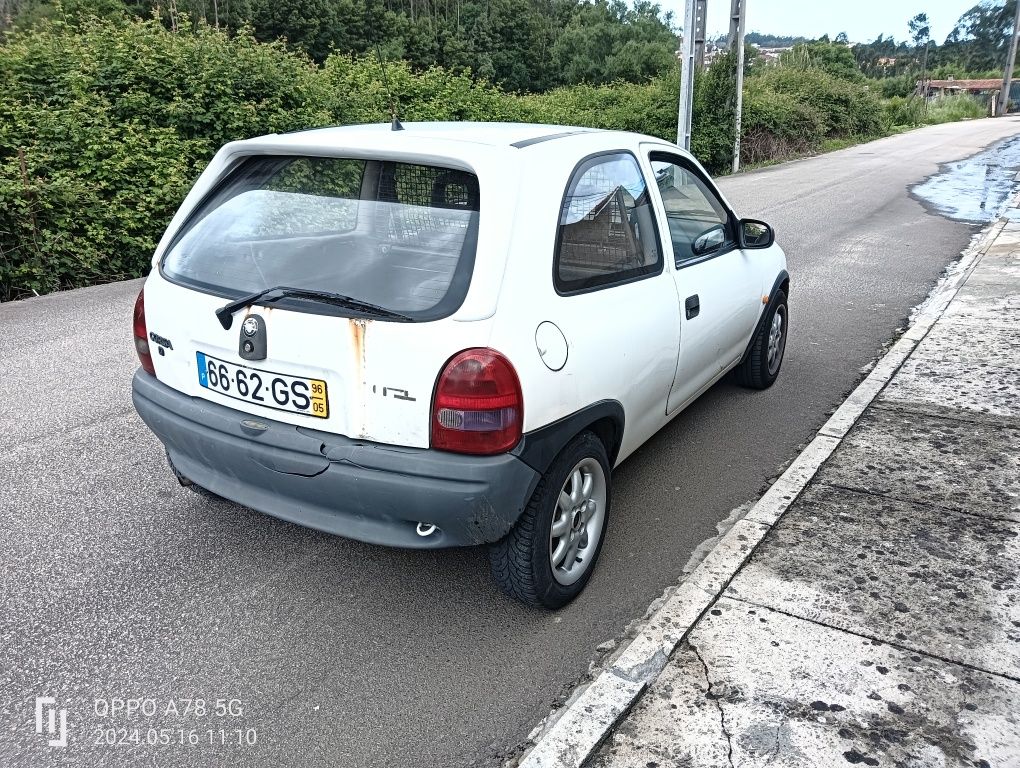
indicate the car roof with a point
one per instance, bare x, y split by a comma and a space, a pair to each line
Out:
490, 134
467, 144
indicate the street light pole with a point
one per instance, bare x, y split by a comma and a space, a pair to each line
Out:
700, 12
687, 65
924, 76
1007, 76
737, 9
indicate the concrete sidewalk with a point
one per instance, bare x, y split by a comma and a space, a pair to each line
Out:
878, 622
867, 609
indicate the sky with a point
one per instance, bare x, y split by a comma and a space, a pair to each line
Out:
862, 20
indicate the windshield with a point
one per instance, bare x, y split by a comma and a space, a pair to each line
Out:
397, 235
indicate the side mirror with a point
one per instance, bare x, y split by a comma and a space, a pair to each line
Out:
755, 234
708, 241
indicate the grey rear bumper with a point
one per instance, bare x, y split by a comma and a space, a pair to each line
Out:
358, 489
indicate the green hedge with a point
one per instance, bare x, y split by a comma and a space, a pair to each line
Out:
649, 108
103, 130
778, 126
104, 126
845, 108
910, 112
358, 92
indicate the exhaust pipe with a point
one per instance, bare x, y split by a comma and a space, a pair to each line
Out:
426, 529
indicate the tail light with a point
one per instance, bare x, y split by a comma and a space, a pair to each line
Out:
478, 407
142, 335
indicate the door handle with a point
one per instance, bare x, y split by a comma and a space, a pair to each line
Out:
693, 306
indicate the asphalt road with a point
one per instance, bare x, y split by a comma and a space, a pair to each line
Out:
117, 584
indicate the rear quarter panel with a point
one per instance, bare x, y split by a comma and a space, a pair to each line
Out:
622, 341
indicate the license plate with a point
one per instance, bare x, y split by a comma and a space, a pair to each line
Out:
278, 391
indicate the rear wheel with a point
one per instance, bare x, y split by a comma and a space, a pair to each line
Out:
761, 368
548, 557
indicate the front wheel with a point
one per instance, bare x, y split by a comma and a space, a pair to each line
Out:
548, 557
761, 368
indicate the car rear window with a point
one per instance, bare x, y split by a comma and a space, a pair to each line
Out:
398, 235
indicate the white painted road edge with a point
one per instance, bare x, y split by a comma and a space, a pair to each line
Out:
580, 729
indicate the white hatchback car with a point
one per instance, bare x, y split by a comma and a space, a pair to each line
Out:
448, 334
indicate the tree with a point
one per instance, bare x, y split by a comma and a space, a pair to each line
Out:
834, 58
981, 36
526, 45
920, 30
920, 33
607, 41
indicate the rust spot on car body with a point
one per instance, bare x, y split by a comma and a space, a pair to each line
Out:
358, 327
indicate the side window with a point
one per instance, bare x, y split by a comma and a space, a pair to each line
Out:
607, 230
699, 224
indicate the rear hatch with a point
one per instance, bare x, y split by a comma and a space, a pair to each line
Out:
370, 259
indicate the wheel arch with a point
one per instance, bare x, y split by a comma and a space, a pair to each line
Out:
782, 283
605, 418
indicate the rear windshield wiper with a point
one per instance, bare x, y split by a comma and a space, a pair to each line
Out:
225, 314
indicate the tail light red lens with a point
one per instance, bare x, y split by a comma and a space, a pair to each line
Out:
478, 407
142, 335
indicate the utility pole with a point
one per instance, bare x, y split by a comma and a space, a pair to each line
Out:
737, 15
1007, 76
687, 65
924, 76
700, 12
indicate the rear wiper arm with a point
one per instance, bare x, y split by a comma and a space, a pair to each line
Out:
225, 314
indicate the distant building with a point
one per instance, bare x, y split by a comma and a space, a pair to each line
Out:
771, 55
953, 86
985, 91
713, 51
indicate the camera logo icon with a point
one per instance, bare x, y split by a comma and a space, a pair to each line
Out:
51, 722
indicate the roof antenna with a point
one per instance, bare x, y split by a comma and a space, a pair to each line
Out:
395, 124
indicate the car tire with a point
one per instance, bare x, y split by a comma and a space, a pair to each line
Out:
548, 568
186, 482
761, 368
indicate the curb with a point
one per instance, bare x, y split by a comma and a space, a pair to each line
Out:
585, 723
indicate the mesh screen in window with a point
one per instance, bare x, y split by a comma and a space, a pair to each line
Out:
607, 229
399, 235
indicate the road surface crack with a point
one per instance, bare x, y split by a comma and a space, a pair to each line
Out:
914, 502
713, 696
891, 643
775, 752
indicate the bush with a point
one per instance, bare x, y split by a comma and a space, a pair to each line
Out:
103, 129
360, 91
777, 126
84, 200
713, 127
899, 112
901, 85
821, 55
104, 125
649, 108
947, 109
845, 108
